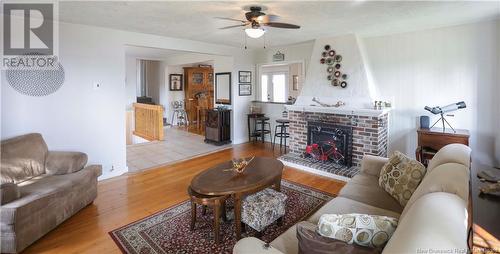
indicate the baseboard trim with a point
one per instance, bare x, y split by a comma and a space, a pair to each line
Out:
113, 173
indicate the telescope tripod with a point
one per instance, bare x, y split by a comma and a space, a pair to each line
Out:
443, 120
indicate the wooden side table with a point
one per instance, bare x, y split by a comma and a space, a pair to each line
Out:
431, 140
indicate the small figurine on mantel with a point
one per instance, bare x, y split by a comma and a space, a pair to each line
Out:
381, 105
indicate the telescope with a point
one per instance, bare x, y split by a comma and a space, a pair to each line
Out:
445, 109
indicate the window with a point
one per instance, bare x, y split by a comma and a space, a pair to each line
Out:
274, 86
142, 77
279, 87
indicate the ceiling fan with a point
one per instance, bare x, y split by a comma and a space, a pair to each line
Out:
256, 20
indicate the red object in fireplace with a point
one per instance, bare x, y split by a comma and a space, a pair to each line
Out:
324, 151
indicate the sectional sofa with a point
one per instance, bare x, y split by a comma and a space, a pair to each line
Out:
434, 219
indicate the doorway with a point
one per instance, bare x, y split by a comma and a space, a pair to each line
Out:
162, 79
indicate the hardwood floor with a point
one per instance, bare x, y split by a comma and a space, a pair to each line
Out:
128, 198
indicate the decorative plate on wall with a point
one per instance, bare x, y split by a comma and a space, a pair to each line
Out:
332, 59
335, 82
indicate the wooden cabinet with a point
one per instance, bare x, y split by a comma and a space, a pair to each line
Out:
431, 140
199, 92
218, 127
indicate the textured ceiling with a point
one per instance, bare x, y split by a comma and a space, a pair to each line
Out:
195, 20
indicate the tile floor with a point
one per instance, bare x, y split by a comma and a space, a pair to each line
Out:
178, 145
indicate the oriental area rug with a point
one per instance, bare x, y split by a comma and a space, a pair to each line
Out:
168, 230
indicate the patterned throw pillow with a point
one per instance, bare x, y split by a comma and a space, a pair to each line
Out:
362, 229
400, 177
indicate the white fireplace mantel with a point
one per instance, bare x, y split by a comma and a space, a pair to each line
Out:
345, 110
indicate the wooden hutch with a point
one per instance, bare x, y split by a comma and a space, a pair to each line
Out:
199, 90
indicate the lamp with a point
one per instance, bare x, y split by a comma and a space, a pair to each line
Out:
255, 32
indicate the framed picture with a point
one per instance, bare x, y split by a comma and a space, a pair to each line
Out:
245, 89
295, 82
245, 76
175, 82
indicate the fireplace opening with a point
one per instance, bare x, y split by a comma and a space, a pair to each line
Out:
330, 143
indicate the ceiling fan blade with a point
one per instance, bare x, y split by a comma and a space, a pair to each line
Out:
243, 21
267, 18
281, 25
227, 27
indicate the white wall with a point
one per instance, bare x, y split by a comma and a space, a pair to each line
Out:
357, 92
241, 104
295, 52
131, 81
439, 67
79, 118
170, 96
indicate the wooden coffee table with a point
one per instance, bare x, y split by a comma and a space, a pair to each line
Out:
260, 173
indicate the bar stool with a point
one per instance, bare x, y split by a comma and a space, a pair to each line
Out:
179, 113
250, 117
282, 124
216, 202
263, 122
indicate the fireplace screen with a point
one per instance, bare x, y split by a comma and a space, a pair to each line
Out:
329, 143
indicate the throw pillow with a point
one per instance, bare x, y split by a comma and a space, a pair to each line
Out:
60, 163
310, 242
400, 177
362, 229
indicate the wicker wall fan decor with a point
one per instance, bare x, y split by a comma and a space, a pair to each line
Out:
333, 60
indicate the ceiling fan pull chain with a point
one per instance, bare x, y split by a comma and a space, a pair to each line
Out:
264, 40
244, 35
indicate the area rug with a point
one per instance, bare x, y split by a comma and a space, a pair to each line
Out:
168, 230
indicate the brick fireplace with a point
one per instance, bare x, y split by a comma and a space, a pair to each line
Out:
369, 136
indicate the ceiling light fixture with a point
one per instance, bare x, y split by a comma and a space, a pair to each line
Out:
255, 32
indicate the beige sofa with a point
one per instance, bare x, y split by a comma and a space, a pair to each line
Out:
40, 189
435, 218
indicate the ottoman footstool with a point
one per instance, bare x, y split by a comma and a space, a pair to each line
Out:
263, 208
